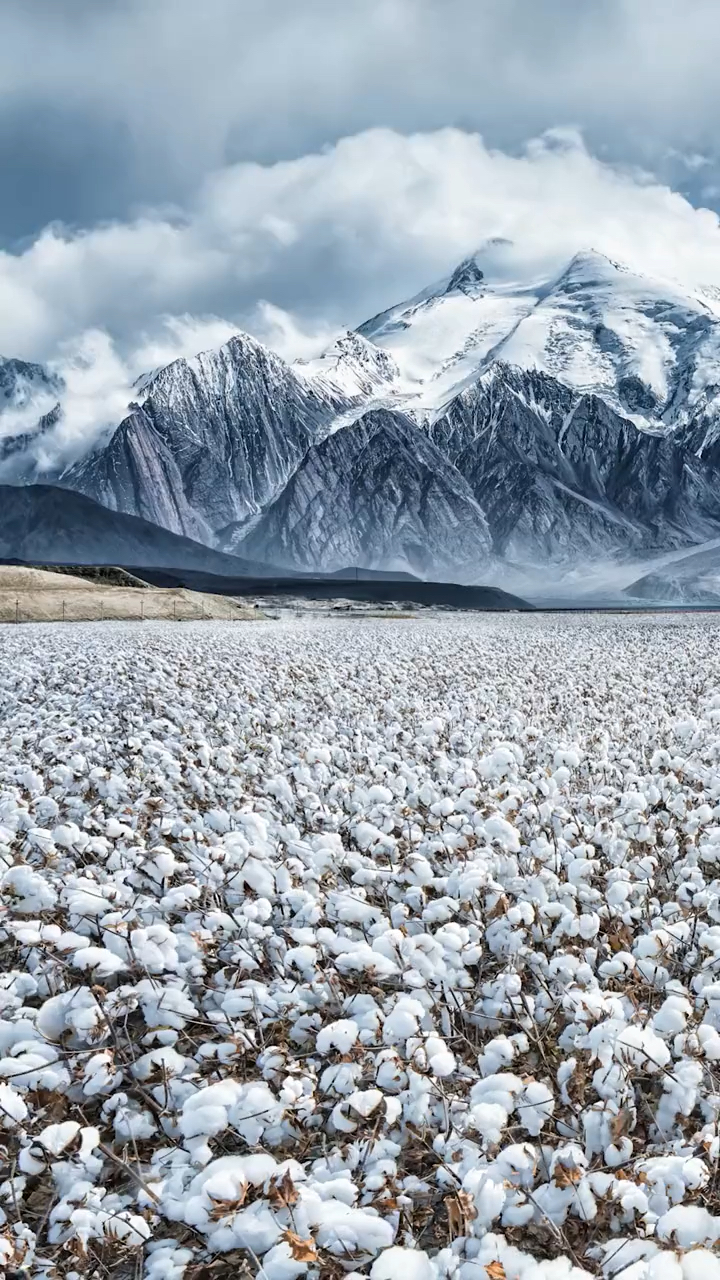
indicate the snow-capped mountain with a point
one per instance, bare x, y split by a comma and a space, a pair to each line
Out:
648, 347
487, 422
211, 444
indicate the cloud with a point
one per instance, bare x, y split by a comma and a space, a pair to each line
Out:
97, 383
108, 107
336, 235
292, 338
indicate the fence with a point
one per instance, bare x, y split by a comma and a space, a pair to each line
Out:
122, 606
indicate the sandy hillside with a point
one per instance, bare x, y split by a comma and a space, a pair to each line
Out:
36, 595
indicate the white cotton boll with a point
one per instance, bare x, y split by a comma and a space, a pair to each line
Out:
502, 832
164, 1062
342, 1229
100, 1074
618, 893
700, 1264
489, 1195
12, 1107
256, 1109
228, 1174
56, 1137
397, 1263
641, 1047
380, 795
67, 835
115, 830
279, 1264
102, 962
128, 1227
130, 1124
303, 958
535, 1106
341, 1077
393, 1110
500, 763
340, 1036
403, 1021
688, 1225
73, 1010
366, 835
489, 1120
341, 1120
206, 1112
390, 1075
618, 1153
709, 1040
497, 1053
218, 820
28, 891
365, 1101
29, 1163
443, 1063
166, 1261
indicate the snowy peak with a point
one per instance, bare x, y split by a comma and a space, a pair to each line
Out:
214, 439
27, 391
650, 347
350, 368
589, 267
466, 278
213, 372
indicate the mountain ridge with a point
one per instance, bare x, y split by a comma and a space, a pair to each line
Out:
486, 420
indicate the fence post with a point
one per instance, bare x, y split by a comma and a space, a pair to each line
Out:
17, 610
174, 608
142, 608
102, 608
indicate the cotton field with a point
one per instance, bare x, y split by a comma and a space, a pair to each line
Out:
384, 949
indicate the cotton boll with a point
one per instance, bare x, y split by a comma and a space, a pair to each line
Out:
340, 1036
411, 1264
700, 1264
56, 1137
279, 1264
689, 1225
13, 1109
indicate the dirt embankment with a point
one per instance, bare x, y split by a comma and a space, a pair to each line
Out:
37, 595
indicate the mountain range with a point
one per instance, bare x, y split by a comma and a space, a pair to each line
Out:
488, 429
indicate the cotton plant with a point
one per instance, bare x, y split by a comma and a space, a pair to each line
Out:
338, 949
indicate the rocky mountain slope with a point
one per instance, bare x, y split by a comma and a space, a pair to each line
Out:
691, 579
487, 423
212, 442
375, 492
47, 525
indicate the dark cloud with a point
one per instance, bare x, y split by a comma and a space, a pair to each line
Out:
108, 106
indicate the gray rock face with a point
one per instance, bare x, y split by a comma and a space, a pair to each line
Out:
560, 474
213, 442
377, 493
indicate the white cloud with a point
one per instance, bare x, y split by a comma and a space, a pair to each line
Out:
335, 235
172, 89
292, 338
326, 241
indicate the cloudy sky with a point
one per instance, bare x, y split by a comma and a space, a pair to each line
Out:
172, 169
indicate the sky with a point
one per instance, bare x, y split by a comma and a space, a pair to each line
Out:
173, 170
